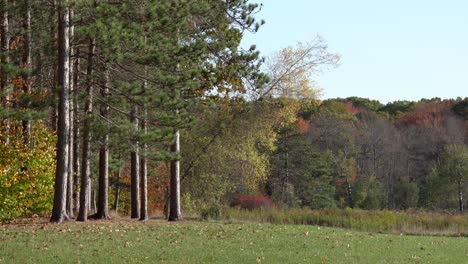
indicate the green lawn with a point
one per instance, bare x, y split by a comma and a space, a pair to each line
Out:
203, 242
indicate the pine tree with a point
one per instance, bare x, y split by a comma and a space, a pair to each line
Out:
59, 209
85, 188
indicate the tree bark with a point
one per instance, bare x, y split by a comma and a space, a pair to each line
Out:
76, 133
53, 37
349, 193
4, 59
175, 212
143, 165
4, 46
135, 167
27, 63
460, 197
103, 194
144, 175
117, 192
59, 207
86, 143
93, 200
71, 157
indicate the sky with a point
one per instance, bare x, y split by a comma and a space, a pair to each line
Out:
390, 49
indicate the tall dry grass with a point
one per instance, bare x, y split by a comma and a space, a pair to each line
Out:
408, 222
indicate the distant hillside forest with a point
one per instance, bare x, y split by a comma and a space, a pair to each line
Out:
351, 152
147, 107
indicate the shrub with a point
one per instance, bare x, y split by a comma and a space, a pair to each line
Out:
368, 194
26, 173
251, 202
406, 195
212, 212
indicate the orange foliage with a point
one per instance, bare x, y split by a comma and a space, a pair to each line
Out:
18, 82
252, 202
157, 187
427, 115
351, 108
303, 125
16, 43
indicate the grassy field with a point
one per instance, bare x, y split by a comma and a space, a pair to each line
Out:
157, 241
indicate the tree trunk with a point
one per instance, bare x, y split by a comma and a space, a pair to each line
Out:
349, 193
76, 133
27, 63
175, 212
144, 175
460, 197
93, 200
53, 37
102, 207
286, 171
4, 59
90, 196
71, 173
61, 176
71, 158
166, 203
143, 165
4, 47
117, 192
86, 144
135, 167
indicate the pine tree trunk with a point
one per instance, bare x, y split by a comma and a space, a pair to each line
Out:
76, 133
71, 158
86, 144
53, 111
27, 63
144, 175
93, 200
103, 195
143, 165
460, 197
59, 207
90, 196
4, 47
71, 173
167, 202
117, 192
4, 59
135, 168
102, 206
175, 212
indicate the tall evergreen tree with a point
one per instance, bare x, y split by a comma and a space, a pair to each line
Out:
103, 193
85, 188
59, 209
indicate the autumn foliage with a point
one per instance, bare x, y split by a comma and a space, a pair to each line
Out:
427, 115
26, 173
251, 202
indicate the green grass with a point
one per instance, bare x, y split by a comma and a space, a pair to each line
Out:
218, 242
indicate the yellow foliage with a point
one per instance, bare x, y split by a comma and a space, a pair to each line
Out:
26, 172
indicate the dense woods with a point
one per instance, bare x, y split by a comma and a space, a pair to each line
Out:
152, 106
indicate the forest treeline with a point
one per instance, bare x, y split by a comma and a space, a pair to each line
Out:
335, 153
153, 105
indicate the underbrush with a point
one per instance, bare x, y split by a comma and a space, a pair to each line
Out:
26, 172
410, 222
